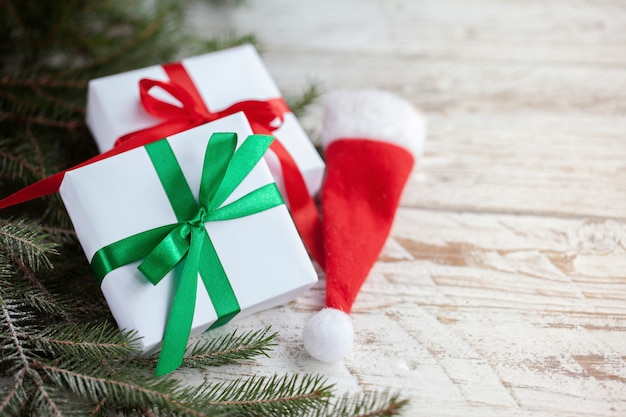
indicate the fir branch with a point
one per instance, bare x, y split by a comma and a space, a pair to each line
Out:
42, 121
16, 166
299, 104
44, 81
13, 394
367, 404
230, 348
55, 100
36, 148
99, 406
140, 392
8, 321
147, 32
28, 273
38, 393
37, 297
27, 241
84, 340
263, 396
43, 400
61, 233
228, 40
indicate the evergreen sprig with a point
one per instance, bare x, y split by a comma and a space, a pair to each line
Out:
60, 352
278, 395
299, 104
92, 343
365, 404
230, 348
27, 243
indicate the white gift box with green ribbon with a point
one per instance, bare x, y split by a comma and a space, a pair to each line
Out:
125, 198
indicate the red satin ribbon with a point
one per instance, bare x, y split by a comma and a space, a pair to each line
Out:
262, 116
193, 112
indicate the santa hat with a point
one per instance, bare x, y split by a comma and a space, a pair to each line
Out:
371, 139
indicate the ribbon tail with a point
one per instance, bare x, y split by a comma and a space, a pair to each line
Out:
301, 205
217, 284
261, 199
153, 133
180, 319
127, 250
166, 255
307, 221
51, 184
46, 186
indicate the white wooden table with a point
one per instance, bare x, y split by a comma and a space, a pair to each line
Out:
502, 290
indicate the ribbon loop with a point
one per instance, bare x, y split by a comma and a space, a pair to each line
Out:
166, 255
165, 110
242, 162
214, 170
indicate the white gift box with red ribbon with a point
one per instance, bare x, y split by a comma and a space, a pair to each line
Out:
222, 78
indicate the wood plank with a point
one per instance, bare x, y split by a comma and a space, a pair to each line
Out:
582, 31
444, 84
519, 292
523, 163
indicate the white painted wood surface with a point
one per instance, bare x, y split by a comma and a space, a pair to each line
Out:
502, 290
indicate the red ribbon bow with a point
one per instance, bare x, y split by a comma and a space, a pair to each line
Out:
193, 112
262, 116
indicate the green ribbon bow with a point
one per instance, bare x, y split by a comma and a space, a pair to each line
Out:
162, 248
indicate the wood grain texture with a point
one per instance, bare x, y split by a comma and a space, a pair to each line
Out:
502, 289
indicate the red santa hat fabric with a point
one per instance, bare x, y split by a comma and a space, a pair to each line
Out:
371, 140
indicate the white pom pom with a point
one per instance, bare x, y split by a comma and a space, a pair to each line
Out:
373, 114
328, 335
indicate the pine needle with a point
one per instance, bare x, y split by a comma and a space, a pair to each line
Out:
88, 381
299, 104
367, 404
263, 396
228, 40
27, 241
102, 342
35, 297
230, 348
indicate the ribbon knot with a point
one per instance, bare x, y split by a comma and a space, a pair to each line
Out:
174, 247
187, 240
199, 219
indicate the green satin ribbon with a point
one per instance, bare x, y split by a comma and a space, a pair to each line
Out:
162, 248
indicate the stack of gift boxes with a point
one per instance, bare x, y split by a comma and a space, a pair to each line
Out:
186, 228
